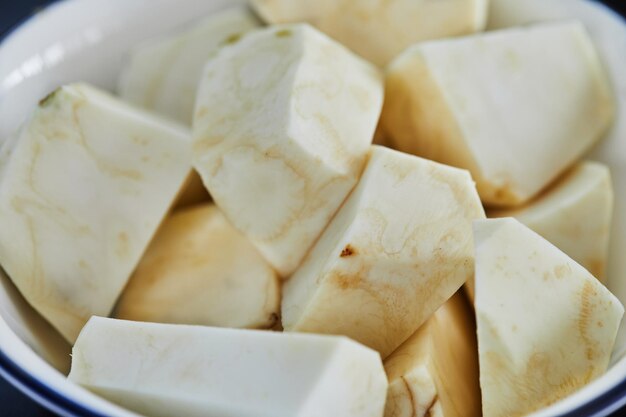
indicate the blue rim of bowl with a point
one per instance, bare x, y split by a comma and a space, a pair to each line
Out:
43, 394
610, 401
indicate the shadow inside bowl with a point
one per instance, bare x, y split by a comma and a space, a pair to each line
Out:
32, 328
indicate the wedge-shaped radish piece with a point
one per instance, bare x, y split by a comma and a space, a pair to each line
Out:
284, 120
574, 215
200, 270
379, 30
435, 372
163, 74
400, 246
179, 370
515, 107
83, 188
546, 326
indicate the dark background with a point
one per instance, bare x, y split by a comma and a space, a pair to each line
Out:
12, 402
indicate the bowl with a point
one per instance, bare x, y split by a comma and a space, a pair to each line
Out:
88, 40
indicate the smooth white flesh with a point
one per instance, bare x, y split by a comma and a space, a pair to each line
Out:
165, 370
163, 74
200, 270
516, 107
83, 187
284, 120
399, 247
546, 326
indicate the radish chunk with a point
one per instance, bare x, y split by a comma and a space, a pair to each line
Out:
399, 247
284, 119
164, 370
83, 187
200, 270
546, 326
515, 107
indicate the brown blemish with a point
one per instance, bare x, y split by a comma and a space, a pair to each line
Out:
386, 301
272, 302
48, 99
348, 281
561, 271
584, 316
278, 326
272, 321
429, 409
347, 251
232, 39
284, 33
408, 390
504, 195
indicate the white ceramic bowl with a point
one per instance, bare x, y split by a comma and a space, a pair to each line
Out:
87, 40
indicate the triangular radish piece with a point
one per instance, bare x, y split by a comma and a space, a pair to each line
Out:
546, 326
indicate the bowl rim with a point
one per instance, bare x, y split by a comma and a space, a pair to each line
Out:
40, 392
47, 396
